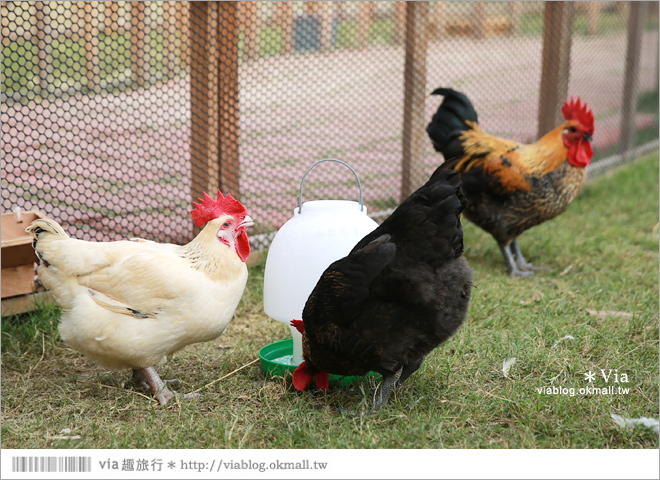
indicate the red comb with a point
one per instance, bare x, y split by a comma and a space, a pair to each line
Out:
578, 111
207, 209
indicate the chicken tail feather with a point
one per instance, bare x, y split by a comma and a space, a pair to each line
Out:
44, 230
43, 226
449, 123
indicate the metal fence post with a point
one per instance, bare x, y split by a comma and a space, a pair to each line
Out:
557, 39
214, 100
414, 98
631, 83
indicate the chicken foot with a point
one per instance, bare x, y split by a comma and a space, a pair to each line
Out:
409, 369
382, 394
515, 262
520, 260
139, 379
511, 263
388, 384
149, 379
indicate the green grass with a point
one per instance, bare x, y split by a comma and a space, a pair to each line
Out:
69, 65
604, 256
382, 31
19, 66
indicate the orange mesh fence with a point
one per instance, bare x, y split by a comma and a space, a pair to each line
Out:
117, 115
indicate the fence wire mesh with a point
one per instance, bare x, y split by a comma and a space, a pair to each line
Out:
117, 115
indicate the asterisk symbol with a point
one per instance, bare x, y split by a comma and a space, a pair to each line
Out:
171, 465
590, 376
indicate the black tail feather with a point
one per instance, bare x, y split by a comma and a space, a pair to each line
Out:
449, 122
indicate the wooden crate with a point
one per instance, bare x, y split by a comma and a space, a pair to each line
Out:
18, 256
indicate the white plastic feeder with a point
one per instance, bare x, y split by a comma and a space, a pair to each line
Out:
320, 232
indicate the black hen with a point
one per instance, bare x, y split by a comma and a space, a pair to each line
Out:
402, 291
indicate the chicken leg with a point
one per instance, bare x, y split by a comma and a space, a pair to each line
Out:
511, 263
386, 387
149, 379
410, 369
382, 394
515, 262
520, 260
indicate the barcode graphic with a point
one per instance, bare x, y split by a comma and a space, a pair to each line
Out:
51, 464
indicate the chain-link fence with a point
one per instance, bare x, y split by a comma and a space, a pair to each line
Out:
116, 115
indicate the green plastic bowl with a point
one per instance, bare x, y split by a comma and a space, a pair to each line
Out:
276, 362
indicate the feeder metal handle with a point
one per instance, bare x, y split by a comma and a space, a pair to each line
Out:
330, 160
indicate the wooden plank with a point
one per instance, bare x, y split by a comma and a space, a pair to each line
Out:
182, 28
169, 23
657, 63
92, 65
593, 15
16, 243
43, 44
17, 280
439, 18
111, 13
479, 19
229, 99
26, 303
400, 21
631, 78
285, 18
414, 133
555, 70
365, 17
138, 33
250, 21
214, 103
326, 11
515, 12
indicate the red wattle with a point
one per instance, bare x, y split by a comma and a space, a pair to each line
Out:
243, 246
579, 154
322, 380
302, 377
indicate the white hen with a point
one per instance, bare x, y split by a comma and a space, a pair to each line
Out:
130, 304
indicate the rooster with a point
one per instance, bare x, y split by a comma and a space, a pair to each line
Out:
400, 292
130, 304
511, 186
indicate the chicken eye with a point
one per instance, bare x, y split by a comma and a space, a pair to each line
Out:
572, 129
226, 224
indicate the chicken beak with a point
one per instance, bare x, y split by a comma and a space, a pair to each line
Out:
247, 222
587, 137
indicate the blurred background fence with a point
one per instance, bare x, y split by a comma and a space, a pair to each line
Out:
116, 115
